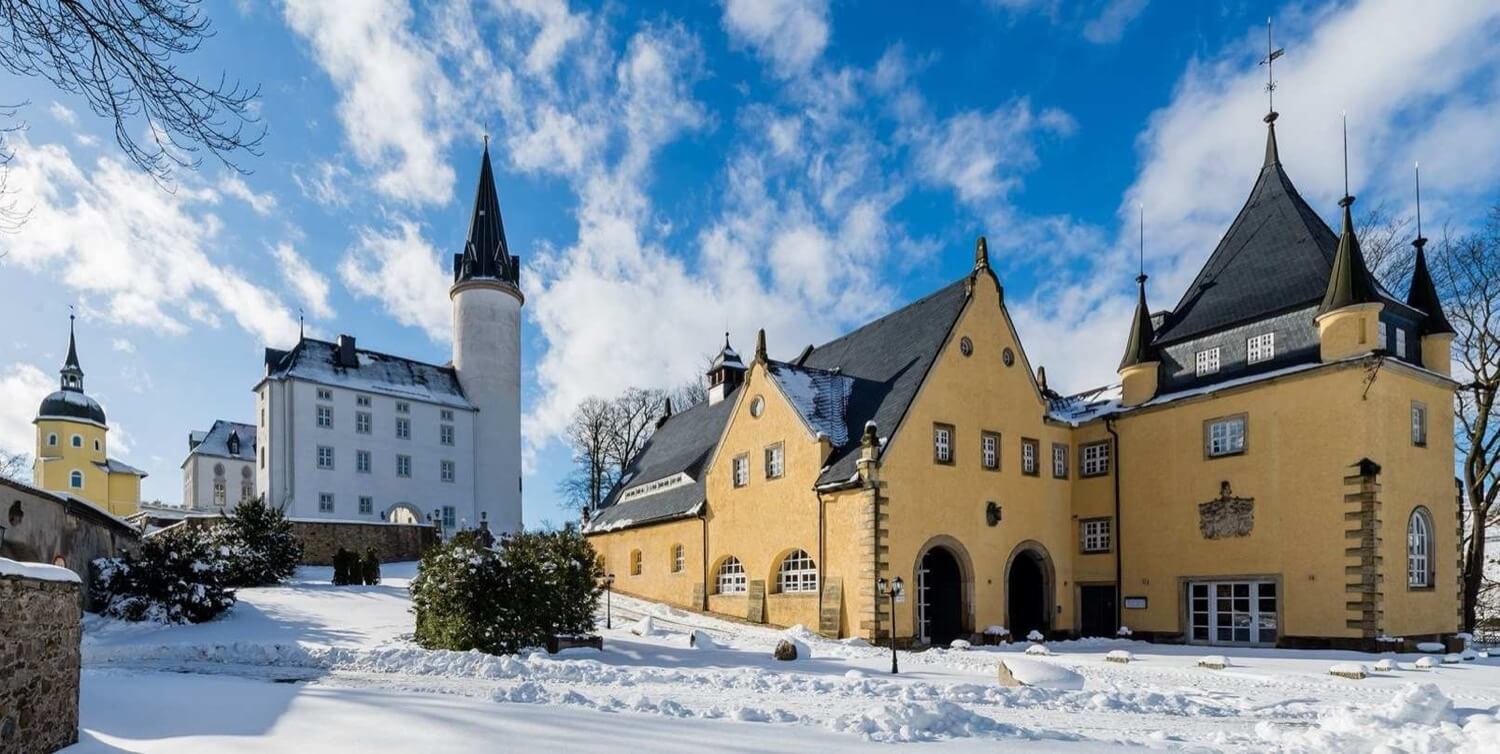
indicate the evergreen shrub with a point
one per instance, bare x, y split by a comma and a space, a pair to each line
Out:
259, 545
177, 576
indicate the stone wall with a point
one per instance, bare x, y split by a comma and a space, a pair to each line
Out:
39, 663
45, 528
392, 542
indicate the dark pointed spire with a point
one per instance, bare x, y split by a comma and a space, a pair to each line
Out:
1350, 282
1273, 156
486, 253
1423, 295
760, 346
72, 372
1138, 348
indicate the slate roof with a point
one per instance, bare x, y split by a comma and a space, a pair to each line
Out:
215, 442
486, 253
119, 467
317, 361
1276, 256
821, 396
70, 404
1423, 294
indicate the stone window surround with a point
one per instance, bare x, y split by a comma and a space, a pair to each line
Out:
1083, 459
739, 470
1430, 560
1419, 426
1060, 453
1083, 535
987, 436
1036, 451
1208, 454
776, 451
940, 433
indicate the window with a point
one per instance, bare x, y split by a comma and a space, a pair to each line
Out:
447, 472
1094, 534
798, 573
1419, 550
635, 562
1419, 424
1225, 436
325, 502
247, 491
989, 450
325, 416
731, 577
262, 456
757, 407
1059, 461
362, 422
446, 414
775, 461
1093, 459
100, 446
325, 457
324, 394
1208, 361
942, 443
741, 470
403, 466
1380, 336
450, 518
77, 441
1401, 342
366, 504
220, 492
362, 461
402, 407
445, 434
75, 480
52, 440
1233, 612
1030, 449
403, 429
1260, 348
362, 401
679, 558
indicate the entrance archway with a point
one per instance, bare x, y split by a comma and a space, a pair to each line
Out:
403, 513
940, 597
1028, 590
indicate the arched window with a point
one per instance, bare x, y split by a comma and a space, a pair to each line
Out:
731, 578
679, 559
219, 492
77, 441
52, 440
798, 573
1419, 549
635, 562
75, 480
98, 445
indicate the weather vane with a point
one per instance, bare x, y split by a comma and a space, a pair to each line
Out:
1272, 53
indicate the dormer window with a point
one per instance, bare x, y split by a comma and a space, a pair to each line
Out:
1400, 343
1208, 361
1260, 348
234, 444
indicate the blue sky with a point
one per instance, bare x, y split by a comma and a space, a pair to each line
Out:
670, 172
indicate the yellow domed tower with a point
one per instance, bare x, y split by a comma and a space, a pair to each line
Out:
72, 446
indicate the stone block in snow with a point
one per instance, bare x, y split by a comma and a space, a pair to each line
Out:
1432, 647
1213, 662
1425, 663
1351, 670
1452, 659
1019, 671
644, 627
1038, 650
700, 639
1119, 655
1385, 666
959, 644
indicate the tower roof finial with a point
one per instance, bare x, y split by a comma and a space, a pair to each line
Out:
72, 360
1348, 198
1272, 53
1423, 295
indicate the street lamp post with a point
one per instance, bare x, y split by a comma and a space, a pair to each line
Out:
609, 581
892, 589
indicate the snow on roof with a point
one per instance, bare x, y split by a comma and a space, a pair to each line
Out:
316, 361
821, 396
38, 571
215, 442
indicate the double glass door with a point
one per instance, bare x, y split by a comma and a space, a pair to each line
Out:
1233, 612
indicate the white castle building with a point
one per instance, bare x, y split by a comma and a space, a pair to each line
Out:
219, 470
350, 434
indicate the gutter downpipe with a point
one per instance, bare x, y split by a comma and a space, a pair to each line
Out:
703, 516
1109, 425
822, 562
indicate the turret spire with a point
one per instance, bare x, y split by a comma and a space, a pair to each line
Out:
1350, 281
1423, 295
1138, 348
486, 253
72, 372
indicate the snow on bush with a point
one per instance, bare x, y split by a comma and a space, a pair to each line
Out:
177, 576
996, 631
1035, 636
1039, 650
259, 544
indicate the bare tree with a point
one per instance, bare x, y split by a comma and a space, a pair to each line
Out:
12, 215
15, 466
124, 58
588, 435
635, 415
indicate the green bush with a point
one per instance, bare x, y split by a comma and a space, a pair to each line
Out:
539, 584
178, 576
370, 568
258, 542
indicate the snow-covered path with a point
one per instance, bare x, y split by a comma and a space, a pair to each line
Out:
343, 654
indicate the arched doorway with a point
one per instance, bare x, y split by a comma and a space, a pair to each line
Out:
1028, 590
940, 597
404, 513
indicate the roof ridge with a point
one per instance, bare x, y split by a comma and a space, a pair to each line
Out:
889, 315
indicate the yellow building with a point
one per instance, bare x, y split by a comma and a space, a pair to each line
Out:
1275, 468
72, 446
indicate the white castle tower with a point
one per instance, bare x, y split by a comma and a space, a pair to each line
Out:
487, 303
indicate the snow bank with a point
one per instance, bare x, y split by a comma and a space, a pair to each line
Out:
915, 722
38, 571
1037, 674
699, 639
1420, 718
1432, 647
644, 627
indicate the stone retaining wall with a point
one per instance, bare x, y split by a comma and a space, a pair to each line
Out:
39, 663
392, 542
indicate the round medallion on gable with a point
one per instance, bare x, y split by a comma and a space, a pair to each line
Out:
1008, 356
218, 469
757, 406
965, 346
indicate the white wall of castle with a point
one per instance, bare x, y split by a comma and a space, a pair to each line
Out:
487, 357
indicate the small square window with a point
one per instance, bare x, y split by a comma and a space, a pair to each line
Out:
325, 457
741, 470
1059, 461
325, 417
324, 394
1225, 436
1094, 535
1030, 449
403, 429
989, 450
1208, 361
362, 400
1260, 348
1419, 424
403, 466
775, 461
447, 471
1093, 459
325, 502
366, 505
446, 414
942, 443
362, 422
402, 407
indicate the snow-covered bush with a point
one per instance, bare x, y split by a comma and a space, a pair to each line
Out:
259, 545
538, 585
1035, 635
178, 576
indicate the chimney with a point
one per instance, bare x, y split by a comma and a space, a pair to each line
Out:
346, 357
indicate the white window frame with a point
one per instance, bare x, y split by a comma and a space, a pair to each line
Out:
221, 492
403, 466
1096, 535
362, 401
445, 434
52, 440
325, 417
1094, 459
1419, 424
366, 505
325, 502
325, 456
740, 468
403, 407
1260, 348
942, 443
446, 414
730, 578
362, 462
797, 574
679, 558
76, 479
775, 461
447, 471
403, 428
1207, 361
1059, 461
1226, 436
363, 422
1419, 550
1401, 342
1380, 334
1212, 612
77, 441
989, 450
1029, 462
450, 518
324, 394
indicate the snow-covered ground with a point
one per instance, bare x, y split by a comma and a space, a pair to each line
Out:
309, 666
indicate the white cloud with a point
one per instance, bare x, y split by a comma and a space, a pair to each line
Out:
326, 184
981, 156
1109, 25
402, 271
395, 103
22, 388
122, 345
311, 286
235, 186
62, 114
788, 34
108, 230
556, 28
